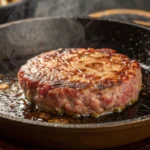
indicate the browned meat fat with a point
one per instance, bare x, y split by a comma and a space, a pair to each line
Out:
81, 81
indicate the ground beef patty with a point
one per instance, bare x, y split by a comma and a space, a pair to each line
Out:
81, 81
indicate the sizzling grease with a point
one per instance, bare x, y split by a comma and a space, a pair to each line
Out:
14, 103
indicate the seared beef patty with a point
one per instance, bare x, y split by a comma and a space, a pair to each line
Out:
81, 81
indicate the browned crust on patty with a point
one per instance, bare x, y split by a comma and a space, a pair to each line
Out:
79, 68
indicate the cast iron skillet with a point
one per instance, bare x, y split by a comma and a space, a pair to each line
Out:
21, 40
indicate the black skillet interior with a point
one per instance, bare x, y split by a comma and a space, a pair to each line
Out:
23, 40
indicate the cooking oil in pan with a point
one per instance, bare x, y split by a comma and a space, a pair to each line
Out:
14, 103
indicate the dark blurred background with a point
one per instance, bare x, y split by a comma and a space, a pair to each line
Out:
75, 8
84, 7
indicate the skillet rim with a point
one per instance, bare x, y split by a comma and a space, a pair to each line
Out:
85, 18
114, 124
